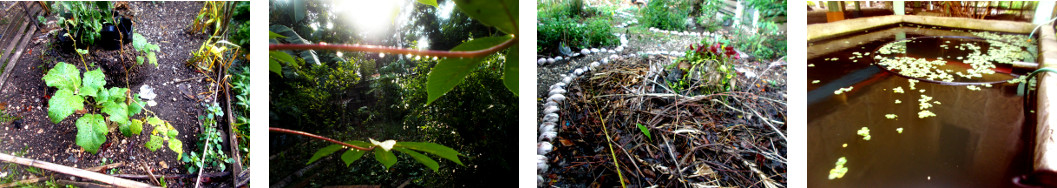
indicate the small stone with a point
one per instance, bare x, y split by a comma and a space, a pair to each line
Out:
550, 60
550, 118
557, 91
163, 164
543, 148
594, 50
152, 103
556, 98
579, 71
541, 61
585, 51
595, 64
559, 58
550, 109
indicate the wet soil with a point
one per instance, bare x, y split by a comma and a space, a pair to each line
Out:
181, 91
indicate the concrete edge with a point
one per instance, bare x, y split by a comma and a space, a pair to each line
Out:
818, 31
1046, 145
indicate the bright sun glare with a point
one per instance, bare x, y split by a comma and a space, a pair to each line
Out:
369, 16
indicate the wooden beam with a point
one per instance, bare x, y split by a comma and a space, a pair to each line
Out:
73, 171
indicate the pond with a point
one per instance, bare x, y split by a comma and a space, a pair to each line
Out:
978, 136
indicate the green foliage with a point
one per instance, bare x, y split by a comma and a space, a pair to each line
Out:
666, 15
501, 14
644, 130
558, 25
386, 157
91, 132
451, 71
767, 43
146, 49
510, 70
116, 103
211, 139
428, 2
707, 67
769, 8
86, 19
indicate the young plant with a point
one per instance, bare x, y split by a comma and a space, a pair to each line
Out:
73, 91
146, 49
214, 154
354, 150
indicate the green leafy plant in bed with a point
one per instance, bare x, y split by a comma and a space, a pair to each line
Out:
88, 94
708, 67
146, 50
211, 140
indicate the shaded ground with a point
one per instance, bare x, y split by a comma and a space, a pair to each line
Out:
699, 140
181, 91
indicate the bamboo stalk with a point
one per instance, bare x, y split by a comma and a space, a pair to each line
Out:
73, 171
34, 180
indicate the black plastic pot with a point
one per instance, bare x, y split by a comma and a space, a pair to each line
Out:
125, 27
110, 37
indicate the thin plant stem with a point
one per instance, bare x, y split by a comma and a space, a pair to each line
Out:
302, 133
392, 50
611, 152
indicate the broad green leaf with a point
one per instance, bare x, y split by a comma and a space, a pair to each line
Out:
91, 132
274, 66
155, 121
429, 2
173, 133
502, 14
135, 106
281, 56
118, 112
644, 130
135, 128
118, 94
510, 70
125, 130
273, 35
154, 143
385, 157
176, 145
324, 152
102, 96
152, 58
435, 149
352, 155
423, 159
160, 129
63, 104
451, 71
138, 41
92, 83
139, 60
63, 76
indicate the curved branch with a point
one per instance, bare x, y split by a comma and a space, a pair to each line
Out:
288, 131
392, 50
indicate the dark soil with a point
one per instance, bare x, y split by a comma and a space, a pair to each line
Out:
181, 91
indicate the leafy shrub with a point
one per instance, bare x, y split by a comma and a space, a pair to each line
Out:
561, 30
664, 14
710, 65
116, 102
85, 19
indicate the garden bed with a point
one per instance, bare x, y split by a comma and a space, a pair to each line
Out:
181, 92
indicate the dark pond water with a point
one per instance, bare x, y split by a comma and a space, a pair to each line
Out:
977, 138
